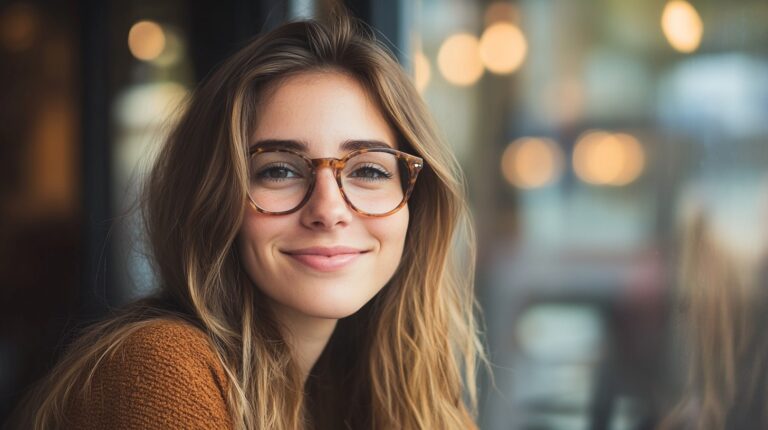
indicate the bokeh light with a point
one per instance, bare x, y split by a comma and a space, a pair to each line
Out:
174, 49
602, 158
578, 330
422, 72
146, 40
503, 48
532, 162
634, 159
19, 26
459, 59
682, 26
149, 104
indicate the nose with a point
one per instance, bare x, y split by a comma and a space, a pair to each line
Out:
326, 207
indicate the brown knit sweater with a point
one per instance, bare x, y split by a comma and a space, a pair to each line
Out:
165, 376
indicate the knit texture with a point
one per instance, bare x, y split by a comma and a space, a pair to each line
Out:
164, 376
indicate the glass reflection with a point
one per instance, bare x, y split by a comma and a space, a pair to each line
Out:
617, 172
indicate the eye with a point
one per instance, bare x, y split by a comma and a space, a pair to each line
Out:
371, 172
277, 172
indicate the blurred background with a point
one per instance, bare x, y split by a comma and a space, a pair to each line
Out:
616, 160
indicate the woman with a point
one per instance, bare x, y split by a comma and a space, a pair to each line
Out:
302, 217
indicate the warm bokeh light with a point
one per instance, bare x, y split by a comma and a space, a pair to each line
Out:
603, 158
503, 48
459, 59
682, 26
594, 161
500, 11
51, 170
146, 40
634, 159
532, 162
422, 72
19, 26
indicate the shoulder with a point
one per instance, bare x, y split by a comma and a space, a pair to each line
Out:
165, 352
163, 374
158, 341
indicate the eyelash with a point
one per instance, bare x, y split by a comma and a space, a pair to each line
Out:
262, 174
377, 169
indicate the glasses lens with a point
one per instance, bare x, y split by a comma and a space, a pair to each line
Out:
278, 180
375, 182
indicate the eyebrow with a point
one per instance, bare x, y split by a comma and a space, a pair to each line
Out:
300, 146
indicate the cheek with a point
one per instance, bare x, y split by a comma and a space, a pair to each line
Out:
255, 240
390, 232
250, 234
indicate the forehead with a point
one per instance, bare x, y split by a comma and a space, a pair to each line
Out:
322, 109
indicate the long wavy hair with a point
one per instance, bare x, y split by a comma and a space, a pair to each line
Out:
407, 359
721, 325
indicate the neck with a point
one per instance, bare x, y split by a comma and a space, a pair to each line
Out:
306, 335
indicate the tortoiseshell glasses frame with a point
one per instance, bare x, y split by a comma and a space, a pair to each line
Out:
413, 163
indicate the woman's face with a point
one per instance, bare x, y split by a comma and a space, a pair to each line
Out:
281, 253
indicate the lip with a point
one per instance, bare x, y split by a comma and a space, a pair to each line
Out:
326, 259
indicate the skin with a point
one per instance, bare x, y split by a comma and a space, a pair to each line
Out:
322, 110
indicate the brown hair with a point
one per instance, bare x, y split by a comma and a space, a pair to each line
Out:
726, 354
406, 360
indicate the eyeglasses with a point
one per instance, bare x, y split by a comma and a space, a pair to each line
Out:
374, 182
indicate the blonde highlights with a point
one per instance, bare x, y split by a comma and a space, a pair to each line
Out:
406, 360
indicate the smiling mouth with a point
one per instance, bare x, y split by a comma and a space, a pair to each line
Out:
326, 259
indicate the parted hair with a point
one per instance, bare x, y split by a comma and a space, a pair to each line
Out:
406, 360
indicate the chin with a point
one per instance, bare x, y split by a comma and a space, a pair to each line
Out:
333, 310
331, 314
333, 297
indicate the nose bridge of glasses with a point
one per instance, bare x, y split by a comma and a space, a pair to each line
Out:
334, 164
